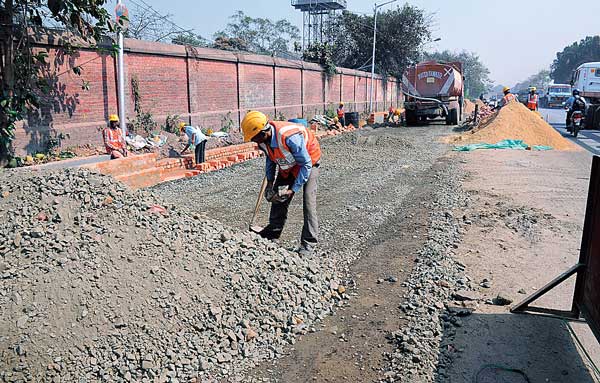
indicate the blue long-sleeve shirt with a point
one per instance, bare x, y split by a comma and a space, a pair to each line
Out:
298, 149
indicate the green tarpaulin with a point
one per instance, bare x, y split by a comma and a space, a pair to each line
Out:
504, 144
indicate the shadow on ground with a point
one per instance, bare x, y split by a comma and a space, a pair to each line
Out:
510, 348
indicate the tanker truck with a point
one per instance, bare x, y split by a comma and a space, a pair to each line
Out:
433, 89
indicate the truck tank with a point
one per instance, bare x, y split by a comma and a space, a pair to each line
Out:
432, 80
433, 89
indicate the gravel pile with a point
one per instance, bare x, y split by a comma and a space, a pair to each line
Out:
101, 283
436, 281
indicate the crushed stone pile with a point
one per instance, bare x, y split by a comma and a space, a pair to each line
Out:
515, 121
102, 283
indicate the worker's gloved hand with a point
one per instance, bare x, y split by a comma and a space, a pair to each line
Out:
284, 196
270, 192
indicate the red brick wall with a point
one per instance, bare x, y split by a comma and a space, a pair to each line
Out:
332, 90
348, 92
313, 93
362, 94
256, 88
69, 109
288, 92
162, 84
210, 88
213, 90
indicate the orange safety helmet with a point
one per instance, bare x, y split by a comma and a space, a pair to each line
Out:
253, 123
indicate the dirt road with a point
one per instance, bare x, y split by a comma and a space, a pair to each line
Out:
409, 223
527, 218
373, 186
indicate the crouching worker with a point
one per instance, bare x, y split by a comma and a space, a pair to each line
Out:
114, 142
195, 138
294, 152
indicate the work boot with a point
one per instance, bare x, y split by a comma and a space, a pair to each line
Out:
306, 250
269, 233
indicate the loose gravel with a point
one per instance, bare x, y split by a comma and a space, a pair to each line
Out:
101, 283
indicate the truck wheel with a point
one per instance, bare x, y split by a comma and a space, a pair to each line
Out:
411, 117
453, 116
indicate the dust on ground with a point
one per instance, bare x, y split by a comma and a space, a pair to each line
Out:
526, 219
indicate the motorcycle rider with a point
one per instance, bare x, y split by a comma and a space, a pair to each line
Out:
578, 104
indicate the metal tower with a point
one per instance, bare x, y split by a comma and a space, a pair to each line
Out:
319, 16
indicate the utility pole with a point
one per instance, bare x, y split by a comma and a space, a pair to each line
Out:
374, 42
121, 80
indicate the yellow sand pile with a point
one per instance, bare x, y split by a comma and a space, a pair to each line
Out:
515, 121
469, 107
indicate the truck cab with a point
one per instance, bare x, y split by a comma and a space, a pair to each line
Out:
586, 78
556, 95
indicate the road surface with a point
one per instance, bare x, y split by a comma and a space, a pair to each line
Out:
588, 139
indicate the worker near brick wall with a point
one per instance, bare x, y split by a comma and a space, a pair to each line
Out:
114, 142
532, 99
195, 138
508, 97
341, 114
294, 152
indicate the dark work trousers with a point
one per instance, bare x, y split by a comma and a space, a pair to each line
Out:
200, 151
279, 210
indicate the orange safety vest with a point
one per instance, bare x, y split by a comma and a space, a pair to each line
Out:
508, 98
532, 101
113, 138
282, 155
340, 113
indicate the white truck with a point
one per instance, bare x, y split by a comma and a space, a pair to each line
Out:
556, 95
586, 78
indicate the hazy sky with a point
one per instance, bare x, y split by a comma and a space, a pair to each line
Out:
513, 38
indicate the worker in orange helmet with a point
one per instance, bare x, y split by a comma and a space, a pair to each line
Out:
532, 99
341, 114
114, 142
508, 97
295, 151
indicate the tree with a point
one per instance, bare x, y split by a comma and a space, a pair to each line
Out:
23, 70
401, 35
571, 57
145, 23
258, 35
189, 39
477, 80
230, 44
540, 80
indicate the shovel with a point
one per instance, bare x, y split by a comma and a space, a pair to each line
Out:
252, 227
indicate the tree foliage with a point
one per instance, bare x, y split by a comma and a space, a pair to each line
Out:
571, 57
23, 70
258, 35
189, 39
401, 35
147, 24
477, 75
540, 80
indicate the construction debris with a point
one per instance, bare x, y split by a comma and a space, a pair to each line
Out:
515, 122
101, 283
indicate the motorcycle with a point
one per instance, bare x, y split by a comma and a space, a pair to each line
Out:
576, 122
